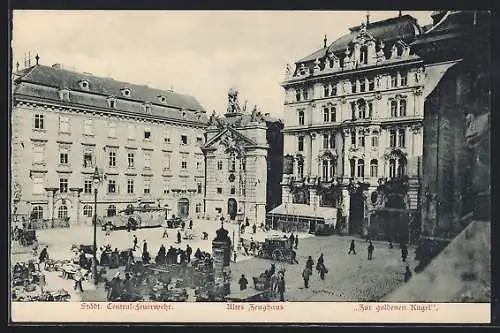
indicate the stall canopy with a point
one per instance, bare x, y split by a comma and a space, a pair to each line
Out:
329, 214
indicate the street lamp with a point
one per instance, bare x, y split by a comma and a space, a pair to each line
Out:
96, 180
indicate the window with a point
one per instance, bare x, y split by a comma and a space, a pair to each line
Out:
326, 90
198, 208
38, 154
333, 114
361, 139
184, 164
402, 167
166, 137
392, 138
147, 186
63, 158
325, 141
87, 186
404, 79
199, 188
37, 213
62, 212
370, 110
352, 164
111, 186
199, 140
112, 103
243, 165
362, 110
64, 124
84, 84
87, 160
167, 161
305, 94
112, 159
375, 139
362, 86
332, 141
162, 99
402, 108
394, 108
219, 190
38, 185
332, 169
232, 163
131, 132
300, 143
394, 80
353, 86
233, 190
147, 134
112, 130
373, 168
300, 168
361, 168
392, 168
87, 210
130, 186
184, 140
219, 165
325, 169
326, 115
88, 128
371, 84
353, 138
63, 185
39, 123
333, 90
198, 164
147, 159
297, 95
301, 117
111, 210
353, 110
401, 138
130, 160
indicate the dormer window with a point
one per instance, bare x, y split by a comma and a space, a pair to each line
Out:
84, 84
183, 114
64, 95
162, 99
112, 102
147, 108
126, 92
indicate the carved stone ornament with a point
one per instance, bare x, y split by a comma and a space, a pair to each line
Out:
378, 95
416, 128
418, 91
313, 135
343, 100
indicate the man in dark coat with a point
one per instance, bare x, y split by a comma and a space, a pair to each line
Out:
404, 252
254, 228
296, 242
292, 240
134, 243
189, 251
243, 282
305, 275
281, 287
310, 263
408, 274
191, 224
198, 255
320, 267
44, 255
145, 246
179, 237
370, 250
352, 247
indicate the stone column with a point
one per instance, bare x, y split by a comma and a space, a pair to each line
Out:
345, 208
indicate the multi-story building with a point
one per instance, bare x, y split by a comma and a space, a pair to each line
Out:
243, 161
145, 142
353, 117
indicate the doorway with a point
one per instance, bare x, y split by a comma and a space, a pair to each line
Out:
232, 208
183, 207
356, 213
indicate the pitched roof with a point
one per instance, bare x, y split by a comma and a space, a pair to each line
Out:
234, 132
402, 27
62, 78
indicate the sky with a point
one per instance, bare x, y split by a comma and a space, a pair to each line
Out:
199, 53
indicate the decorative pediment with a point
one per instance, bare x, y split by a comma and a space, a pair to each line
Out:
231, 139
395, 153
329, 154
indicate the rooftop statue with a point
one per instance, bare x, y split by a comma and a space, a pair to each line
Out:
232, 104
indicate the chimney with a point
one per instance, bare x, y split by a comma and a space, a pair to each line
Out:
58, 66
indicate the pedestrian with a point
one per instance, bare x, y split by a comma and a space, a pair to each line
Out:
191, 224
292, 240
408, 274
293, 257
352, 248
179, 238
320, 267
234, 256
404, 253
183, 224
243, 282
78, 280
310, 263
274, 284
44, 255
165, 230
281, 287
390, 244
135, 242
42, 282
145, 246
296, 242
205, 235
189, 251
254, 228
145, 257
305, 275
370, 250
247, 222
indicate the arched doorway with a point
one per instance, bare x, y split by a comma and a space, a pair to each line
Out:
183, 207
232, 208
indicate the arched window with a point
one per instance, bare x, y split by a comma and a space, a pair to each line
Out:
402, 108
297, 95
373, 168
111, 210
353, 138
301, 117
87, 210
353, 167
361, 168
62, 212
394, 108
362, 110
401, 137
325, 170
402, 167
37, 213
332, 168
392, 138
392, 168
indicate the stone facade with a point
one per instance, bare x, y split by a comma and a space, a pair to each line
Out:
145, 142
353, 115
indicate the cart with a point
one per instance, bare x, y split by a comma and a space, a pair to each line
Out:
275, 248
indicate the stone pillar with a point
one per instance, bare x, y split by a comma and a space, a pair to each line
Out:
345, 208
313, 168
314, 202
221, 253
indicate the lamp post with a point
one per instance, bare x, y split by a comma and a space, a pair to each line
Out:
96, 180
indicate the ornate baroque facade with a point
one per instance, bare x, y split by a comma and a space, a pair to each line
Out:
145, 142
353, 115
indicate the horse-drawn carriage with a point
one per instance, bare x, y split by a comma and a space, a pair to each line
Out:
275, 248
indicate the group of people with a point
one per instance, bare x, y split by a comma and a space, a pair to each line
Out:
308, 270
274, 279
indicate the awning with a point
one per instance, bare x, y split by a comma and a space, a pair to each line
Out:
327, 213
433, 74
